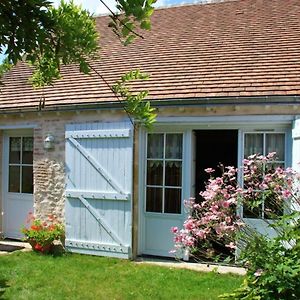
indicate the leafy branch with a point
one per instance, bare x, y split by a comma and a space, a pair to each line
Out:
136, 105
133, 14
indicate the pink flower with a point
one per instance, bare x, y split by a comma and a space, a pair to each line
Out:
226, 204
189, 224
209, 170
286, 194
214, 208
174, 229
228, 220
271, 155
201, 234
231, 245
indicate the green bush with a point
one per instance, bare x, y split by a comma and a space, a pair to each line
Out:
273, 264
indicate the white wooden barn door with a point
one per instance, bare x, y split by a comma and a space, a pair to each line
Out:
99, 185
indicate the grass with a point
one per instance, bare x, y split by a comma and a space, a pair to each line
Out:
33, 276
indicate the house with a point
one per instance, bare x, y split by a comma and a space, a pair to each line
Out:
225, 78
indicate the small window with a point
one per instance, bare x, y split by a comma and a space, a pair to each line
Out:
20, 169
164, 173
264, 143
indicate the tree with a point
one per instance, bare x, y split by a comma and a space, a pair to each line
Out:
47, 37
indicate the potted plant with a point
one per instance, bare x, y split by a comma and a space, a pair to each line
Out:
41, 234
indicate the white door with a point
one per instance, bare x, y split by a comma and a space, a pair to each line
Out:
163, 193
17, 181
99, 159
264, 142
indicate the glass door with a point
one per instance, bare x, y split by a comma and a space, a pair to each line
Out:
163, 203
17, 181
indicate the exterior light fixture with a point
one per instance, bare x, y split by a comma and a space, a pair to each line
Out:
49, 142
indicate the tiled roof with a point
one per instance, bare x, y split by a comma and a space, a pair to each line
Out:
227, 49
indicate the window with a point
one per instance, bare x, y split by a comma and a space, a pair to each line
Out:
164, 173
20, 178
264, 143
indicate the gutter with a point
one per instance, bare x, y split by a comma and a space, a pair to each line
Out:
190, 102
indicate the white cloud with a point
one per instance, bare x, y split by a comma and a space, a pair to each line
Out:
101, 8
160, 3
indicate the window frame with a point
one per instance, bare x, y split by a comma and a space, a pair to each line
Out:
242, 156
163, 186
20, 164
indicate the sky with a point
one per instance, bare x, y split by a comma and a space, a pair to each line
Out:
95, 6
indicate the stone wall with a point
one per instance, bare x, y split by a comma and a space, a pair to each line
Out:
49, 185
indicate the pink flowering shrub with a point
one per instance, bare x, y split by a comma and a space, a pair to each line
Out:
213, 225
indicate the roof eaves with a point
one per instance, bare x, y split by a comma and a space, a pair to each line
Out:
200, 102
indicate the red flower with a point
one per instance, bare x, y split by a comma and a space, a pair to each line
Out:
38, 247
35, 227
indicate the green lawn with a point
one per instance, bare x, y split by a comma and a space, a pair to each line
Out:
33, 276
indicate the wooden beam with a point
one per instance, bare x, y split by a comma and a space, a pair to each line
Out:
104, 134
97, 166
95, 214
97, 195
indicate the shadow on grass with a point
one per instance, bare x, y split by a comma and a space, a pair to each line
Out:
3, 286
58, 250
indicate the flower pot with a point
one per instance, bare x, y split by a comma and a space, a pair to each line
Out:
44, 249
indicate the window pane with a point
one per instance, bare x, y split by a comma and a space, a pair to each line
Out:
253, 144
174, 146
14, 150
14, 179
155, 146
275, 143
271, 167
27, 148
273, 207
154, 200
252, 212
173, 173
27, 180
173, 201
155, 172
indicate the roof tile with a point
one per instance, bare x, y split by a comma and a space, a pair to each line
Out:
227, 49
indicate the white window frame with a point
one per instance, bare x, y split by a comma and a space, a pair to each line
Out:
20, 164
285, 162
163, 186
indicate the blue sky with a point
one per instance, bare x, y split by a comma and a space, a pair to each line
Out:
96, 7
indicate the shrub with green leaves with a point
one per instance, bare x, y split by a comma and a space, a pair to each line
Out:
273, 264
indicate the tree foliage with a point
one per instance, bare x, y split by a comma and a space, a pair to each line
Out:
134, 13
48, 37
